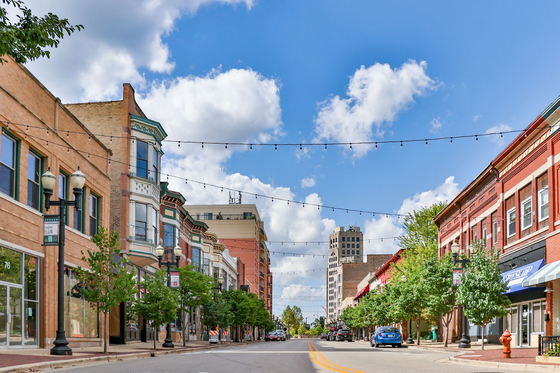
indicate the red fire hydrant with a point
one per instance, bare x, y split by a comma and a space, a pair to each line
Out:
505, 340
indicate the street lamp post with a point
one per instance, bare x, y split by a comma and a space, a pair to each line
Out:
78, 180
465, 341
169, 263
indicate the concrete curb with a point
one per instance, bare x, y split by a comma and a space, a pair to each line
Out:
109, 359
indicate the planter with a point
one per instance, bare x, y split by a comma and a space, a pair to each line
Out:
548, 359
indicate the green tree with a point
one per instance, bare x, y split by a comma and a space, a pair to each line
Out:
29, 37
292, 317
349, 317
218, 313
106, 283
376, 309
302, 329
441, 294
195, 290
407, 298
159, 303
240, 307
482, 287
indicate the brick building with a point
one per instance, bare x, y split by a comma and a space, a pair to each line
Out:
512, 205
345, 278
240, 228
38, 132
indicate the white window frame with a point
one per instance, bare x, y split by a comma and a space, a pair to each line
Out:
495, 226
484, 233
509, 234
530, 201
541, 192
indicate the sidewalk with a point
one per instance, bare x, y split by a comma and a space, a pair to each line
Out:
38, 359
523, 359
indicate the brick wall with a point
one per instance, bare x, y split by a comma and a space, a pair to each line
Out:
353, 273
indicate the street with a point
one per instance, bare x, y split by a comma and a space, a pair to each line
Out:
301, 356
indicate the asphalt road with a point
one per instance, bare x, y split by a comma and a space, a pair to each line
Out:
298, 356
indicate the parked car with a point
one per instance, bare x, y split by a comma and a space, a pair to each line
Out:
281, 335
344, 335
324, 336
272, 336
386, 335
330, 336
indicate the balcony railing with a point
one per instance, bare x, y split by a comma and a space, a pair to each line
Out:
210, 216
262, 260
261, 288
547, 343
261, 274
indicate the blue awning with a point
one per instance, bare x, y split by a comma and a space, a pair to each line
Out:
515, 277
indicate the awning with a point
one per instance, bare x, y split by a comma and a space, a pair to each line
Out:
547, 273
516, 278
362, 292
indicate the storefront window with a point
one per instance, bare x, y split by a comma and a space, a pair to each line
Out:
10, 263
538, 309
80, 318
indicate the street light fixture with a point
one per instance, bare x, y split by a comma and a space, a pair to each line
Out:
169, 263
48, 180
465, 341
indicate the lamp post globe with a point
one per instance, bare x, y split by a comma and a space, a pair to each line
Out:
48, 180
78, 179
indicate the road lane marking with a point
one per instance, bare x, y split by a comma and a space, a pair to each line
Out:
333, 366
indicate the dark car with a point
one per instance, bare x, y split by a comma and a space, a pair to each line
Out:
386, 335
272, 336
344, 335
324, 336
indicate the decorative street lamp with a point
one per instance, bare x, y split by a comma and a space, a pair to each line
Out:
169, 263
78, 180
465, 341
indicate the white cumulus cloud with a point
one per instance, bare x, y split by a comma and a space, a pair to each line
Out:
308, 182
498, 138
435, 125
120, 39
376, 95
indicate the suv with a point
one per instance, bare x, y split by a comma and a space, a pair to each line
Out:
281, 335
344, 335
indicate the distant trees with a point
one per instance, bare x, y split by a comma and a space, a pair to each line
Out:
292, 317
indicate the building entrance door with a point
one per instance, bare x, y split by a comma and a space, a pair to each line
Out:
10, 316
524, 339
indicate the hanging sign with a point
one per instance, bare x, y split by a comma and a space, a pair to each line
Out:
175, 280
457, 273
50, 235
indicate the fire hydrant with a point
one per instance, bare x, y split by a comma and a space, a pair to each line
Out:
505, 340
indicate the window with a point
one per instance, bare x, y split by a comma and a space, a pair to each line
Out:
207, 216
538, 310
343, 239
357, 245
527, 211
484, 231
343, 245
78, 215
195, 256
142, 159
168, 236
93, 214
353, 252
357, 239
8, 166
357, 252
353, 239
339, 277
80, 319
33, 177
343, 252
511, 222
140, 222
543, 204
495, 233
353, 246
63, 190
474, 234
155, 166
155, 226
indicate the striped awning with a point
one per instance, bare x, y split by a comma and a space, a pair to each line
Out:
549, 272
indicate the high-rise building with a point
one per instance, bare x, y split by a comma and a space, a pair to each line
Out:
346, 267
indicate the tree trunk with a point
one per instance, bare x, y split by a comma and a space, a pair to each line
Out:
483, 337
417, 321
447, 322
155, 336
105, 336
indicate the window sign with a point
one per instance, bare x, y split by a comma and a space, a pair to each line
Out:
50, 235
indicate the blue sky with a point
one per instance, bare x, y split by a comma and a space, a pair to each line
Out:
279, 71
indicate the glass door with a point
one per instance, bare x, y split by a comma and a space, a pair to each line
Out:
3, 316
524, 325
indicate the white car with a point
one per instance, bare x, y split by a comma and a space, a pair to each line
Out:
281, 335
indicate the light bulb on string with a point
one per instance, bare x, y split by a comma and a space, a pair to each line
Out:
202, 145
68, 134
111, 140
47, 131
89, 137
179, 144
275, 147
401, 144
451, 140
426, 142
325, 146
251, 147
476, 138
226, 145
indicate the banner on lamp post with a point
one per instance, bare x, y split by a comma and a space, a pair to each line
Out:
175, 280
50, 230
457, 273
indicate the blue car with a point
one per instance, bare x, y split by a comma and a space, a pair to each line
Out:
386, 335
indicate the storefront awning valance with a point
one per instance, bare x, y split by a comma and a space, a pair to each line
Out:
549, 272
362, 292
516, 278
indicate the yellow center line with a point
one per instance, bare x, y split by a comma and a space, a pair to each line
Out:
332, 366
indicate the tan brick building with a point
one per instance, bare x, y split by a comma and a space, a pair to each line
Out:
39, 132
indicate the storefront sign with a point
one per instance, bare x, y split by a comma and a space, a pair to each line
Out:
175, 280
457, 273
50, 235
515, 277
